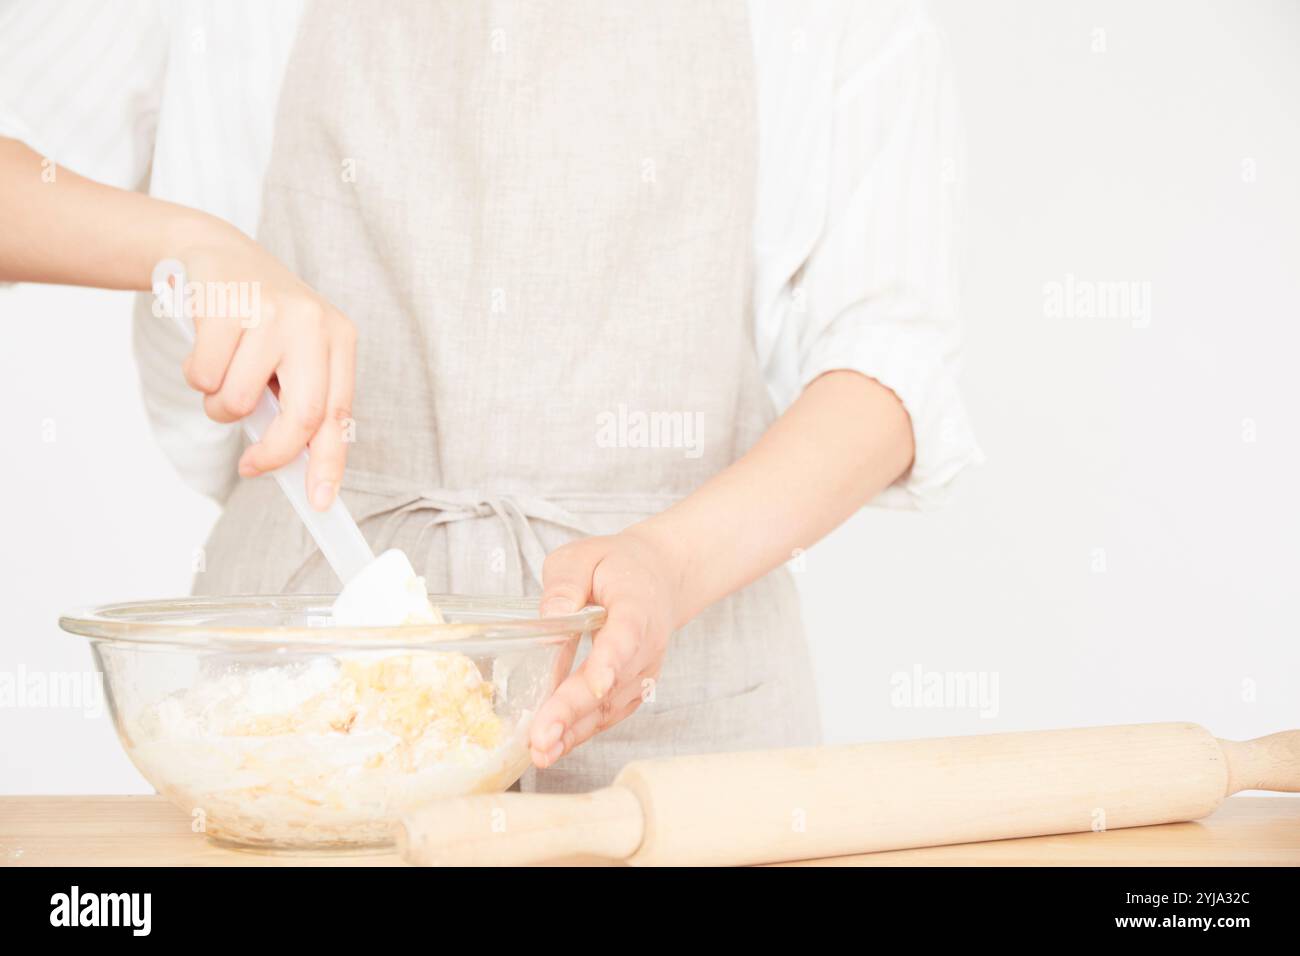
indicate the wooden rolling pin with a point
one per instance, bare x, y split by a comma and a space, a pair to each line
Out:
769, 806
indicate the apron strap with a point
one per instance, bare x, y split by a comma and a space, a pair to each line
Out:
515, 511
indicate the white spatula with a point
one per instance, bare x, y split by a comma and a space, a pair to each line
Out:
334, 530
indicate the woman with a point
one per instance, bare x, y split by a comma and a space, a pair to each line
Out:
575, 258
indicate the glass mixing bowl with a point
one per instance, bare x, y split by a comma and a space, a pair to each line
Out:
272, 728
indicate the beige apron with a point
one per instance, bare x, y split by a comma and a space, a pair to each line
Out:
538, 215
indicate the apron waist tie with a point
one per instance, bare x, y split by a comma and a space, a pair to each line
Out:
515, 511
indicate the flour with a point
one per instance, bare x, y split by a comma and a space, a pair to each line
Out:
329, 751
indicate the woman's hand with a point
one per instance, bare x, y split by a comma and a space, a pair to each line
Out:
846, 438
637, 581
257, 325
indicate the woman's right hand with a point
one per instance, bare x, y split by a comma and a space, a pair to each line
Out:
64, 228
259, 325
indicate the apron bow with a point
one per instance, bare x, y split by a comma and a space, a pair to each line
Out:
515, 512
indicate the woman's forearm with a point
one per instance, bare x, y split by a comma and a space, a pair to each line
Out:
845, 440
63, 228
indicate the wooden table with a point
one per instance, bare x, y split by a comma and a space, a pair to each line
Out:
148, 831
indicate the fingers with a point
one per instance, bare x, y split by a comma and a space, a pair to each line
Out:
251, 368
615, 649
215, 341
304, 385
309, 359
604, 690
571, 700
620, 706
566, 587
563, 662
567, 574
578, 716
329, 449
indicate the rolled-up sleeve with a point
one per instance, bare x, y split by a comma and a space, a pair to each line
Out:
80, 83
876, 293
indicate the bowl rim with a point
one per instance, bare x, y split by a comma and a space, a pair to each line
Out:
118, 622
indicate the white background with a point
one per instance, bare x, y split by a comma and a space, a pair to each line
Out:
1170, 158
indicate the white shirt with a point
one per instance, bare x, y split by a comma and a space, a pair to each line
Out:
857, 146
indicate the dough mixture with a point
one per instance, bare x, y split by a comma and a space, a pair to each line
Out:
331, 749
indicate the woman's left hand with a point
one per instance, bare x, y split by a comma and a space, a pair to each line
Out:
637, 581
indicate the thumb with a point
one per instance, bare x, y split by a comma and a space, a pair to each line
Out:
567, 575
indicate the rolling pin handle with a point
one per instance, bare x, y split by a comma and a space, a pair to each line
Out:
1265, 763
517, 829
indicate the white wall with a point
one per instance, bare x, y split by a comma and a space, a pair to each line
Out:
1109, 444
1128, 164
94, 515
